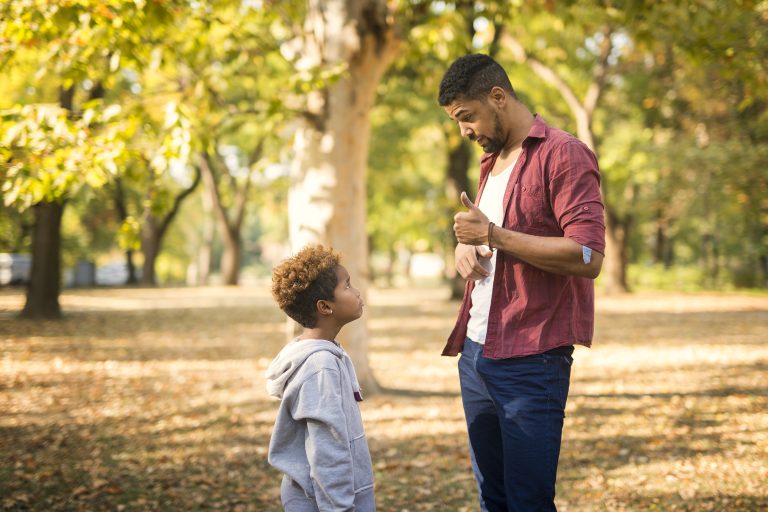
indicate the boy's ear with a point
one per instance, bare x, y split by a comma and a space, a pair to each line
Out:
324, 308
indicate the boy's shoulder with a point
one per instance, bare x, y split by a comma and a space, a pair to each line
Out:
322, 359
318, 363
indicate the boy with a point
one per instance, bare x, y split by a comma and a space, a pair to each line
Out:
318, 441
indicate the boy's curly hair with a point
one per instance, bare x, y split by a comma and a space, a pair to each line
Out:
303, 279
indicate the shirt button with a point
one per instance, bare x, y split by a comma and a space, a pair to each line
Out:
586, 208
523, 189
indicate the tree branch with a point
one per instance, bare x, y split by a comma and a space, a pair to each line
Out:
209, 176
498, 31
242, 193
177, 203
544, 72
600, 74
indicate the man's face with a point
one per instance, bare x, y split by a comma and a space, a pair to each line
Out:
479, 122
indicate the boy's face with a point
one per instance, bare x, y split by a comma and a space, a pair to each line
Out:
346, 304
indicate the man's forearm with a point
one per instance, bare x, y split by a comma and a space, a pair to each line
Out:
558, 255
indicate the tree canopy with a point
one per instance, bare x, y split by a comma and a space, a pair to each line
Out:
136, 98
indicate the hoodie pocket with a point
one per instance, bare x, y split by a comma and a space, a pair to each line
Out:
361, 463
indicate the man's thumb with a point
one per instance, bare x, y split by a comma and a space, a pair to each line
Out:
483, 251
466, 202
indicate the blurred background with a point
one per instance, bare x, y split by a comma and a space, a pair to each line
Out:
158, 139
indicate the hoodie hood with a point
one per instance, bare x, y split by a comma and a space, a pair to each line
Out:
292, 357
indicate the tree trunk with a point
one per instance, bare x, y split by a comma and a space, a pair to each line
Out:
150, 247
615, 280
153, 230
762, 256
390, 270
615, 263
131, 267
205, 253
122, 215
663, 251
229, 228
231, 257
327, 197
45, 276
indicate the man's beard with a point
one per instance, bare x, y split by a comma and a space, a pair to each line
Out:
496, 143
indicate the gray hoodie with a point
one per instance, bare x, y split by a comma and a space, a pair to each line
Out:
318, 439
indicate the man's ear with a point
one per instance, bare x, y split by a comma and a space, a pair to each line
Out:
324, 308
498, 96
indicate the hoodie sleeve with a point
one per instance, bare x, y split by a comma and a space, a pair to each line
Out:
319, 403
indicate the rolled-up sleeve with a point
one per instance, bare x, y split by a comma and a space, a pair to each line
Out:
574, 193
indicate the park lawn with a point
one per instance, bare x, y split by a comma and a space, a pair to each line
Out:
153, 399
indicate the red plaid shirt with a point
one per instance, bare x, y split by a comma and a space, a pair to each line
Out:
554, 190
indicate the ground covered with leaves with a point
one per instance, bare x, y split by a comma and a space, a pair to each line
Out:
146, 399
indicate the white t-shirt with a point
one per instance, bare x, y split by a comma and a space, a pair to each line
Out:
492, 205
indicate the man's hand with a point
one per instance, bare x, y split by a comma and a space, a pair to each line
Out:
470, 259
471, 227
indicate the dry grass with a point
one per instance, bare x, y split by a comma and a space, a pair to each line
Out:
154, 400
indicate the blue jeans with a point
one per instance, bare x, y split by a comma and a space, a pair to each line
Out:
515, 410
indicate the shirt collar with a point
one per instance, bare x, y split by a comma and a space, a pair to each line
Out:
538, 130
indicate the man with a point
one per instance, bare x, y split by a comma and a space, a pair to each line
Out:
529, 251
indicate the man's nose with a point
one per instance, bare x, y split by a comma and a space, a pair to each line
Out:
466, 131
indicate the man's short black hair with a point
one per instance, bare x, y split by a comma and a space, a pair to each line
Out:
472, 77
